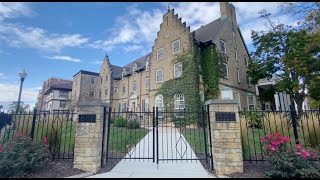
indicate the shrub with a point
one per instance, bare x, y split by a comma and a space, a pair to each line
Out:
288, 163
133, 124
120, 122
22, 156
255, 119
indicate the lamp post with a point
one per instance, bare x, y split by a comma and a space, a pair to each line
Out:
22, 75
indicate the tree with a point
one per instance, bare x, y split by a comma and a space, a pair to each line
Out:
24, 108
292, 54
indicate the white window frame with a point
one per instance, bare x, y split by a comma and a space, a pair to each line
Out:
201, 93
147, 81
246, 63
238, 76
122, 106
158, 54
172, 46
123, 73
65, 104
146, 105
179, 101
147, 66
161, 75
134, 69
254, 102
134, 86
94, 93
123, 86
159, 101
225, 48
175, 72
248, 81
226, 92
94, 80
225, 63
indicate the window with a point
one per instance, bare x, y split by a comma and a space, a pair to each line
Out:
177, 70
63, 94
145, 105
147, 83
222, 47
92, 93
123, 73
251, 103
225, 69
201, 96
246, 61
123, 107
176, 46
134, 69
248, 80
62, 104
93, 80
179, 105
134, 86
235, 55
238, 75
115, 90
236, 95
99, 93
106, 92
159, 75
101, 80
123, 89
226, 93
106, 77
147, 66
159, 104
160, 54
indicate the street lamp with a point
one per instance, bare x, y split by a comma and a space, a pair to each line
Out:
22, 75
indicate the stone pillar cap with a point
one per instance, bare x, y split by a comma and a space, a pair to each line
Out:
94, 103
221, 101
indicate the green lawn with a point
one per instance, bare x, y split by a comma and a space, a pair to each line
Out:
195, 138
122, 140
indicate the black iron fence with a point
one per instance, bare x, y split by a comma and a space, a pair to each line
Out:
58, 127
302, 128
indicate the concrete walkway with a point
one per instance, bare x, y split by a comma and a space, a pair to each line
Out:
172, 146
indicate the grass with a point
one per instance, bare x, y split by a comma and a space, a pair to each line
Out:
122, 140
195, 138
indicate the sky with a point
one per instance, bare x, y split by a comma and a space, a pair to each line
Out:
57, 39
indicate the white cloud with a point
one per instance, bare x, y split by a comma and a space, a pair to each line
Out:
37, 38
63, 58
96, 62
132, 48
14, 9
2, 76
9, 92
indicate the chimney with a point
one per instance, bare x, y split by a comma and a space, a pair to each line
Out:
228, 10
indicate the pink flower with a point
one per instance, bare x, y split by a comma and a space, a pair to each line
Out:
275, 143
269, 136
45, 140
263, 139
278, 135
272, 148
305, 154
299, 146
286, 139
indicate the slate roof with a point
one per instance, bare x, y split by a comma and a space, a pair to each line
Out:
209, 31
61, 86
87, 72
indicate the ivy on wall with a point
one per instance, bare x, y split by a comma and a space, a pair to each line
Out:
203, 61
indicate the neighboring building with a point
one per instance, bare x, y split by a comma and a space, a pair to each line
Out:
133, 87
54, 95
281, 100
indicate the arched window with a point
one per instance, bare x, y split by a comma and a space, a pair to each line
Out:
159, 103
123, 107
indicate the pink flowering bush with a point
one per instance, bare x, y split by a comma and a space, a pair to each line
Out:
22, 156
287, 162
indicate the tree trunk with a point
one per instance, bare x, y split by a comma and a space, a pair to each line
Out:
299, 103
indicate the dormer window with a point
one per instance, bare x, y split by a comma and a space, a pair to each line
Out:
123, 73
147, 66
134, 68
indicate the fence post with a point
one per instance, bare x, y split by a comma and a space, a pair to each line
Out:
33, 122
294, 123
103, 134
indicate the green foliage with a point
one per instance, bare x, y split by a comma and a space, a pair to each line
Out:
133, 124
211, 70
120, 122
286, 162
254, 119
23, 108
267, 94
22, 156
290, 53
180, 121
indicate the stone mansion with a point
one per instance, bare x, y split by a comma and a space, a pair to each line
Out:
134, 86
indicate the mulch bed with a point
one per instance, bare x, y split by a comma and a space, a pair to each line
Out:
57, 169
252, 170
111, 163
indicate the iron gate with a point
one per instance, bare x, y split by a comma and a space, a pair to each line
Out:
157, 136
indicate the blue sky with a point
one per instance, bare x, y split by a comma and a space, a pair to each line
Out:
57, 39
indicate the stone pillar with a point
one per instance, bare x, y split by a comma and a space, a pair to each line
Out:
88, 137
225, 136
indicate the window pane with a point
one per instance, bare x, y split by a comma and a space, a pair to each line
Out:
222, 46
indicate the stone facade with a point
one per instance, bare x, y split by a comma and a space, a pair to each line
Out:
225, 138
117, 88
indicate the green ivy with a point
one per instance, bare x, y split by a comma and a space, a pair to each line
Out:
201, 61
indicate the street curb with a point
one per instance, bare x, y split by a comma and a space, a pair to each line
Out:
81, 175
